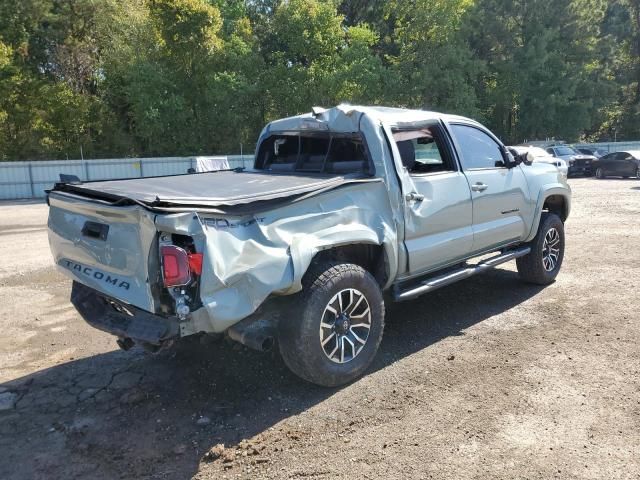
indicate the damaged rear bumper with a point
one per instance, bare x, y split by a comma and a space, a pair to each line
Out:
123, 320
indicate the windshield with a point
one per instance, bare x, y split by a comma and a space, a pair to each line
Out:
565, 151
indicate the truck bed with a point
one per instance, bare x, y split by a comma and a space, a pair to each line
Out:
227, 188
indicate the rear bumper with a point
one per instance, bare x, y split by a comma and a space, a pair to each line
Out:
123, 320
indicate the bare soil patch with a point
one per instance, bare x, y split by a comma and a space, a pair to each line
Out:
488, 378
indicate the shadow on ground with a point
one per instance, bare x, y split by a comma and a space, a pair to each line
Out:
132, 415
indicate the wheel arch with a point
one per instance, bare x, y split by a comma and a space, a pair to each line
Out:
376, 257
370, 256
554, 200
557, 204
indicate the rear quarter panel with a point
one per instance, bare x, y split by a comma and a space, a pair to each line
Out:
247, 258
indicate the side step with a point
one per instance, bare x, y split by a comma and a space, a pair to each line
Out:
433, 283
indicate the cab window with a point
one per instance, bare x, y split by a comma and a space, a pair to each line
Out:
422, 150
320, 152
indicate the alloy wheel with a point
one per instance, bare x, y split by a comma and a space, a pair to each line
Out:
551, 249
345, 325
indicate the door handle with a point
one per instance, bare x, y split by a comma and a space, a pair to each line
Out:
479, 187
414, 196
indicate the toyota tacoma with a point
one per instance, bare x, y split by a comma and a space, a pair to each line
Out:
341, 205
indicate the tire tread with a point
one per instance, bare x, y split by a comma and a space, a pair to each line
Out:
530, 266
296, 334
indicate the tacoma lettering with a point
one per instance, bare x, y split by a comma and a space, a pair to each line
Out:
98, 275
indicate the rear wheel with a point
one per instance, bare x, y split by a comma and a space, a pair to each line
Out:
542, 265
638, 173
336, 334
599, 173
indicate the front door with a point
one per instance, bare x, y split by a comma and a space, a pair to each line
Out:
501, 212
438, 209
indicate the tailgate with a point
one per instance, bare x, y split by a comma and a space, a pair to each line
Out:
104, 247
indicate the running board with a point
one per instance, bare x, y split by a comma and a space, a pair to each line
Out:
436, 282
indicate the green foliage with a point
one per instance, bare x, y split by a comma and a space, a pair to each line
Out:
544, 77
434, 63
177, 77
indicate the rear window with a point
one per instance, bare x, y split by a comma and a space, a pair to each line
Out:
314, 153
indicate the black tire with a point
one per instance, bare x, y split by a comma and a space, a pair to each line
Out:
534, 268
600, 173
299, 335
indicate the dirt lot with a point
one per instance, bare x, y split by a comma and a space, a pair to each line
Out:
489, 378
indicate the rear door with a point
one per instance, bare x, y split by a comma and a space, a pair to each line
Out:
499, 194
438, 209
617, 164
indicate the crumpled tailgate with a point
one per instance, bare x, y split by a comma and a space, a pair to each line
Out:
104, 247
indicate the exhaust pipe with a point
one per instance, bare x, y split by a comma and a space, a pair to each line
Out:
255, 334
125, 343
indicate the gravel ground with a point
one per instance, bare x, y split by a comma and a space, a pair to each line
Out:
489, 378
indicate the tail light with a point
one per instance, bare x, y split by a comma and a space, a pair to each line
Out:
195, 262
175, 266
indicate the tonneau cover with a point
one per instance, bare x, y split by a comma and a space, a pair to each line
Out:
210, 189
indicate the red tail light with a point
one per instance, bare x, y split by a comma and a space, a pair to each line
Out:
175, 266
195, 263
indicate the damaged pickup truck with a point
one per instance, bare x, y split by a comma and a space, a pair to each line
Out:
342, 205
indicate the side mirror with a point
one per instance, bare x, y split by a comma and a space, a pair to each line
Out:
509, 160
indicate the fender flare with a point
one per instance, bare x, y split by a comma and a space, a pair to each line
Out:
546, 192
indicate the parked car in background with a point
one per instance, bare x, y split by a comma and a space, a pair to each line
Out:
578, 163
591, 151
619, 164
539, 155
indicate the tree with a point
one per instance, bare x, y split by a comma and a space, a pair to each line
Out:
542, 74
316, 60
434, 62
179, 77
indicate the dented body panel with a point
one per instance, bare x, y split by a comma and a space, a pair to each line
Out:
259, 231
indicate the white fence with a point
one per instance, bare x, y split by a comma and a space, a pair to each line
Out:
20, 180
609, 147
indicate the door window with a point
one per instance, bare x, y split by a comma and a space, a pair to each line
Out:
477, 149
422, 151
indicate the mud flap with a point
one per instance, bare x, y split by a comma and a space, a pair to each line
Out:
125, 321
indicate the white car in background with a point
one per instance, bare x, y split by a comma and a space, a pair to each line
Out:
539, 155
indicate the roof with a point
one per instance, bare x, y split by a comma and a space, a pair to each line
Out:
347, 118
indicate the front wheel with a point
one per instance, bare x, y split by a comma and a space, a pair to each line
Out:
338, 327
599, 173
542, 265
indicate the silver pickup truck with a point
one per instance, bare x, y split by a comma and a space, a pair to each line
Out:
341, 205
